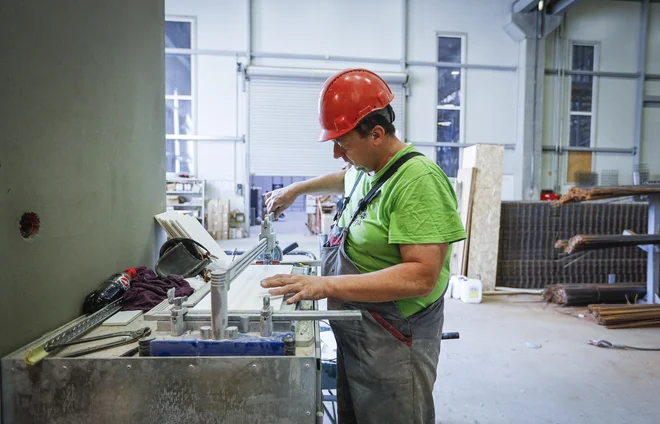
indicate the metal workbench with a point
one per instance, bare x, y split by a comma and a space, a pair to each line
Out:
104, 387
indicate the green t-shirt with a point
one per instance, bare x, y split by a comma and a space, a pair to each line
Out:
417, 205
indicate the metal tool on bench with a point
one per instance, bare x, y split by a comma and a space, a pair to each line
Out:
129, 337
221, 281
80, 327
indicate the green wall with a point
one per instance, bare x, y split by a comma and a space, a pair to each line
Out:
82, 146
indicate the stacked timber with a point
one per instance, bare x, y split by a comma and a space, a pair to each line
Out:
577, 194
626, 316
585, 294
582, 242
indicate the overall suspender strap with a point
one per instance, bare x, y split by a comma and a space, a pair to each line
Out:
375, 190
344, 201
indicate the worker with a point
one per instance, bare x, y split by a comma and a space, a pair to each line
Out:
387, 255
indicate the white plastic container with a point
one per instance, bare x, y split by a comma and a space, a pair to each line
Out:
457, 285
472, 291
450, 288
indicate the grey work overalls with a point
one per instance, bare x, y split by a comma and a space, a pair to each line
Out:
386, 363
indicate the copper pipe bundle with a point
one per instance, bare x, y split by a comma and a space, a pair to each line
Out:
626, 316
585, 294
577, 194
581, 242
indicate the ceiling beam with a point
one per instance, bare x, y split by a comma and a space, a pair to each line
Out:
524, 6
561, 6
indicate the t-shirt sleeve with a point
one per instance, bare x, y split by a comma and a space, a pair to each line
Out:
424, 212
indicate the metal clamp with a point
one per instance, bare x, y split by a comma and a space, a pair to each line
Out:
178, 312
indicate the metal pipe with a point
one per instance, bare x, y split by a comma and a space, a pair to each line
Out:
219, 304
277, 316
641, 68
616, 150
203, 137
653, 261
204, 52
652, 77
266, 318
537, 39
509, 146
324, 57
462, 66
557, 101
404, 34
249, 33
602, 74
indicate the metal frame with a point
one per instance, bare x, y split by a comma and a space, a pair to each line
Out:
653, 262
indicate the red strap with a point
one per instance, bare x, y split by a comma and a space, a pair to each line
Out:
390, 329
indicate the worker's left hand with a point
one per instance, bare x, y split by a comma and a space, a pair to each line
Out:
306, 287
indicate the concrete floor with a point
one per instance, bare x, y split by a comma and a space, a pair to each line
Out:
491, 375
519, 361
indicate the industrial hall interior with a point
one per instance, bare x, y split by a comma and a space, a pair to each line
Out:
330, 211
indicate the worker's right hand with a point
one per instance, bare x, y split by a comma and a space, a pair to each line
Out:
279, 200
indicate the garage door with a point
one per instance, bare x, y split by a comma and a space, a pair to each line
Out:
284, 126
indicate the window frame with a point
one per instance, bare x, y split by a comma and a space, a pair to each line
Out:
593, 113
463, 91
192, 97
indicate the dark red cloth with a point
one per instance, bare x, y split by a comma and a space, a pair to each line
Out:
148, 290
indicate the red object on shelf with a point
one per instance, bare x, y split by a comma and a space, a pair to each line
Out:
549, 195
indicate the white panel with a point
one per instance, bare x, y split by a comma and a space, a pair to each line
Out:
508, 188
217, 83
651, 140
221, 24
616, 112
364, 28
284, 127
652, 88
653, 40
421, 106
614, 25
490, 107
481, 20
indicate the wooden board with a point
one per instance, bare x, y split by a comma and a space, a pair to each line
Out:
465, 180
178, 225
246, 292
484, 239
578, 162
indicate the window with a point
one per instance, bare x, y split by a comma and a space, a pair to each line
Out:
581, 110
178, 98
450, 103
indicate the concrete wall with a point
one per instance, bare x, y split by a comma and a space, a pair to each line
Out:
82, 147
614, 26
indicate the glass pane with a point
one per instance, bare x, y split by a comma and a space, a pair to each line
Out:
583, 58
581, 92
177, 34
177, 74
449, 86
178, 117
449, 126
580, 135
447, 159
449, 49
170, 162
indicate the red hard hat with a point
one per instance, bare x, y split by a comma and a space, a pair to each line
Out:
349, 96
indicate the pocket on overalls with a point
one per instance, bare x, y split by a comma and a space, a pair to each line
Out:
386, 353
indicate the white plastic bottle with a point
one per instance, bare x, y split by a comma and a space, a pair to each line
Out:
457, 285
472, 291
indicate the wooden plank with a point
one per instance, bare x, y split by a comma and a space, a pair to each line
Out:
246, 292
483, 244
578, 162
465, 180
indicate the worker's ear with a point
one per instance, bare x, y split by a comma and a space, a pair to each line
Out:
378, 135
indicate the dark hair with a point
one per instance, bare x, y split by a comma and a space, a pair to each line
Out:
383, 117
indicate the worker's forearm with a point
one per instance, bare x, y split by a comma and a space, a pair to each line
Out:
405, 280
332, 183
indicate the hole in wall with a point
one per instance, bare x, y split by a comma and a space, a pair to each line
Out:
29, 225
